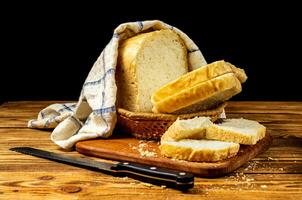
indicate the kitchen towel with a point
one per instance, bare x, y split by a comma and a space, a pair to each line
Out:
94, 115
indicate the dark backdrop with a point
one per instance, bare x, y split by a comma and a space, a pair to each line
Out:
48, 49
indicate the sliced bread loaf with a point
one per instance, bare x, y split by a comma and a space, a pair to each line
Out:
199, 150
197, 76
146, 62
201, 96
241, 131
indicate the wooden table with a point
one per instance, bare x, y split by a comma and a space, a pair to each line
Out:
276, 174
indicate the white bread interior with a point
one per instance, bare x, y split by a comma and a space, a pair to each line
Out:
194, 128
146, 62
199, 150
241, 131
198, 139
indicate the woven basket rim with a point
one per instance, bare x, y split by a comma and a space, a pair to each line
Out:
158, 116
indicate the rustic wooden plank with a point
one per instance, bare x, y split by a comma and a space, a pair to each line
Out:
232, 106
263, 165
90, 185
230, 103
14, 122
25, 108
276, 118
275, 174
18, 104
265, 104
16, 114
264, 107
261, 117
268, 112
284, 153
21, 112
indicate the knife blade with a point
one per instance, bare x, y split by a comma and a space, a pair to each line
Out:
151, 174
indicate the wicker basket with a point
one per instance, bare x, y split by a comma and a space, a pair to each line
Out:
152, 126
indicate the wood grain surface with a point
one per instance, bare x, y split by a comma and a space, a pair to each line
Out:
125, 148
275, 174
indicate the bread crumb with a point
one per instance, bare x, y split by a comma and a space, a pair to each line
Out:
252, 165
163, 186
263, 186
270, 158
141, 148
281, 169
175, 159
146, 184
141, 145
145, 153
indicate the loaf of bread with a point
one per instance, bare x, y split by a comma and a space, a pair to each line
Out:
199, 150
146, 62
200, 96
241, 131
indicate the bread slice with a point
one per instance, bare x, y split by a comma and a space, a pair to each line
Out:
201, 96
241, 131
199, 150
240, 73
194, 128
197, 76
146, 62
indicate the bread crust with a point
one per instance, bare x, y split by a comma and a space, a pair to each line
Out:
215, 132
211, 131
206, 95
192, 78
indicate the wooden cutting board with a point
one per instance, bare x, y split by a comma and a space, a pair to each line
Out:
125, 148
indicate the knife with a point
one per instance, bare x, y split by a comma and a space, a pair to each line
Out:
151, 174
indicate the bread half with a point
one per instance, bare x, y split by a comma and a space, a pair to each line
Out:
202, 96
147, 62
199, 150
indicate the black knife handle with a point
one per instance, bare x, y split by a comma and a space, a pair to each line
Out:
155, 175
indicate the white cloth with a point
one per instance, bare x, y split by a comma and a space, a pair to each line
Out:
94, 115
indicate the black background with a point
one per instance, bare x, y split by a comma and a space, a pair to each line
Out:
48, 49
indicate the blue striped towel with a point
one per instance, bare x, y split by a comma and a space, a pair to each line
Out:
94, 115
